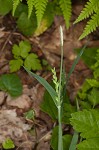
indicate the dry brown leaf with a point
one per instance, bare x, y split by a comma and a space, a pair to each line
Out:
2, 97
1, 32
22, 102
11, 125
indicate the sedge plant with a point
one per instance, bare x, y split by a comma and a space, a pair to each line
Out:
57, 94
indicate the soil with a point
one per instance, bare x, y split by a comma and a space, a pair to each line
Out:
47, 46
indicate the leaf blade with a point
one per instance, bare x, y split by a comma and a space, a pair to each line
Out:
47, 86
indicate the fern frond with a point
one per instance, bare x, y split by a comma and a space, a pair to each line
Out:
92, 24
30, 7
40, 6
15, 4
65, 6
90, 8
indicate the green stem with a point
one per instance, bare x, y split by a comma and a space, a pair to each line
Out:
60, 142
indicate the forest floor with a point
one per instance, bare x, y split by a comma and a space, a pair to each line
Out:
47, 46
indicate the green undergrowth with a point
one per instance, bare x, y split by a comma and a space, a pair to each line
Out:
8, 144
23, 56
33, 17
82, 115
90, 11
57, 104
86, 120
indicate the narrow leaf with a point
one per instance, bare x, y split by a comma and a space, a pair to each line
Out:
48, 105
74, 141
45, 84
75, 63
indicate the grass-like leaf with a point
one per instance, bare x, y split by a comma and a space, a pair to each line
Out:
75, 63
47, 86
74, 141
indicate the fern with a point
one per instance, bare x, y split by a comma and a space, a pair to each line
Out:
92, 24
91, 9
30, 7
87, 11
15, 4
65, 6
40, 6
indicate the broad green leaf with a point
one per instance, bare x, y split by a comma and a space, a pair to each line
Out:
48, 106
44, 62
86, 122
25, 48
85, 104
74, 141
68, 109
95, 65
32, 62
93, 97
20, 9
15, 65
5, 6
47, 86
54, 140
30, 114
89, 144
88, 56
22, 50
93, 82
96, 73
11, 84
8, 144
82, 95
86, 86
2, 86
26, 25
16, 51
66, 141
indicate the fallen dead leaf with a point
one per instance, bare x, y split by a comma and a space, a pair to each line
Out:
2, 97
22, 102
1, 32
11, 125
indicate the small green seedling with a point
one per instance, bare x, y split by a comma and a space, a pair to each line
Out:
8, 144
22, 56
30, 114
